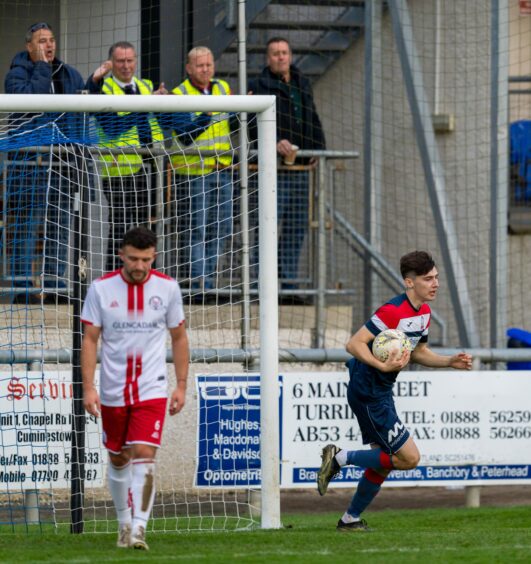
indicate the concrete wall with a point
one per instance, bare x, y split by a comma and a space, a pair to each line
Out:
88, 29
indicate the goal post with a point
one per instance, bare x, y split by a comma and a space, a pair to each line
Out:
264, 109
268, 281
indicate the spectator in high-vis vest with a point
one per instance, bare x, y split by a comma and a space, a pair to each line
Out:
129, 179
206, 177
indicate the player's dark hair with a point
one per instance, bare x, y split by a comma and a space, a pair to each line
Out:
140, 238
416, 263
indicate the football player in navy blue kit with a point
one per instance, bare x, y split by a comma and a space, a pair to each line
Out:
370, 390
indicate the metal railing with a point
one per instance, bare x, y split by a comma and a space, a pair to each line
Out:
251, 356
323, 219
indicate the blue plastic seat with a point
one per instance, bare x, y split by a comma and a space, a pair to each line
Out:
520, 137
518, 338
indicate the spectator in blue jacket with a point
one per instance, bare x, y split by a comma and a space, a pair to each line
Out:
39, 193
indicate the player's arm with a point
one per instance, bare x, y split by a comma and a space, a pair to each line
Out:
358, 346
89, 359
181, 360
425, 356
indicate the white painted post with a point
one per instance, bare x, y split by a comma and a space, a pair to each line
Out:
268, 286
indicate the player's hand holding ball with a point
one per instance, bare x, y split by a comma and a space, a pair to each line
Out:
393, 349
396, 361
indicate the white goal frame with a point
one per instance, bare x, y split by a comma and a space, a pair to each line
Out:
265, 109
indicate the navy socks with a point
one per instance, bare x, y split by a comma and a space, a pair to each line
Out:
368, 488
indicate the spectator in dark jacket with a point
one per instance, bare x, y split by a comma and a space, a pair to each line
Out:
298, 126
38, 193
37, 71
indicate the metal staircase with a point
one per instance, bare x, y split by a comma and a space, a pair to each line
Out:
319, 31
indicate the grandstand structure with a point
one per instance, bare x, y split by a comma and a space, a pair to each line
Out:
461, 54
416, 99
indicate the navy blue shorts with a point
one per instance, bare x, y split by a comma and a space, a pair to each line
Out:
379, 423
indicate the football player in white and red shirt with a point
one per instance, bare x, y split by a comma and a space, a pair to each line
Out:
132, 309
370, 390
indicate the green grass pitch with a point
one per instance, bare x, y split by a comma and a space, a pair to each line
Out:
458, 535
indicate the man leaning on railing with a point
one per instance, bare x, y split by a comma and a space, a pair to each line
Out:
298, 127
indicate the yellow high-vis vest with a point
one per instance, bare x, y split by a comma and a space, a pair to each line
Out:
216, 137
127, 164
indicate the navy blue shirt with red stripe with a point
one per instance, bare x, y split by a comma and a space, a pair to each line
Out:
398, 313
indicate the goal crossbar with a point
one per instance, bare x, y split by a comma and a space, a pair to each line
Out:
103, 103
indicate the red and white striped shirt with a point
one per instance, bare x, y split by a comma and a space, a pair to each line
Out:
134, 319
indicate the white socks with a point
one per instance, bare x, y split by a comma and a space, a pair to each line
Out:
135, 480
119, 482
142, 490
341, 457
347, 518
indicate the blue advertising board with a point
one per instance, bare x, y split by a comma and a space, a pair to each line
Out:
422, 474
229, 431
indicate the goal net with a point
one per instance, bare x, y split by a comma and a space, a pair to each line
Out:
73, 182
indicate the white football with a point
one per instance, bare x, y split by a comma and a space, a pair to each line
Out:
388, 341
